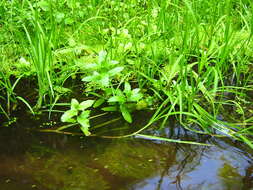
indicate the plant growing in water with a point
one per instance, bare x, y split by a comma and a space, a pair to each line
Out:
78, 113
124, 100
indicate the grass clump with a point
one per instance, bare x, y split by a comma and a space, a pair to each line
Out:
188, 59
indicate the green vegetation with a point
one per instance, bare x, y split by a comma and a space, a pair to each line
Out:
81, 118
190, 59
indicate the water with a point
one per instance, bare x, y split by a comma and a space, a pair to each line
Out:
31, 160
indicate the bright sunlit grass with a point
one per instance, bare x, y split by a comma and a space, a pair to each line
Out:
190, 59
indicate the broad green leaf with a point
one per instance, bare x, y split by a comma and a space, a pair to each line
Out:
115, 71
108, 92
135, 95
109, 108
120, 99
136, 91
91, 66
85, 114
98, 102
94, 77
69, 21
101, 56
104, 81
86, 104
141, 105
68, 116
118, 92
88, 78
113, 62
125, 113
127, 87
74, 104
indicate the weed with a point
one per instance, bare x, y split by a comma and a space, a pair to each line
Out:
124, 100
78, 113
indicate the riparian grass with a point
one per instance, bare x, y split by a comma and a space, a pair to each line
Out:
194, 57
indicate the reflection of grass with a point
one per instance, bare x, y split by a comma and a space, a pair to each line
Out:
66, 172
97, 167
42, 151
132, 160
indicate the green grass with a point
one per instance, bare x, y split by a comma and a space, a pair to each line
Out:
192, 59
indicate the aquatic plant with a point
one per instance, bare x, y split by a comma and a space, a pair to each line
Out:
78, 113
123, 100
42, 57
192, 58
8, 95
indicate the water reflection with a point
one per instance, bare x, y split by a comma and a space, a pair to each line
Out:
53, 162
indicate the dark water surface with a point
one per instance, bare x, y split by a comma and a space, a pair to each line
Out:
32, 160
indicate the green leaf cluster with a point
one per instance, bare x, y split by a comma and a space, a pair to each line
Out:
102, 71
123, 99
79, 114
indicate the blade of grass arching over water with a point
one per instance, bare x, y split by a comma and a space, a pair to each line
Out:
26, 103
223, 127
246, 140
150, 137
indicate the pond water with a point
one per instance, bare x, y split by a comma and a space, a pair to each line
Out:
31, 160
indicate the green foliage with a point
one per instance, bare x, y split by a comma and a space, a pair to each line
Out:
42, 57
78, 113
102, 71
123, 100
8, 94
191, 59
